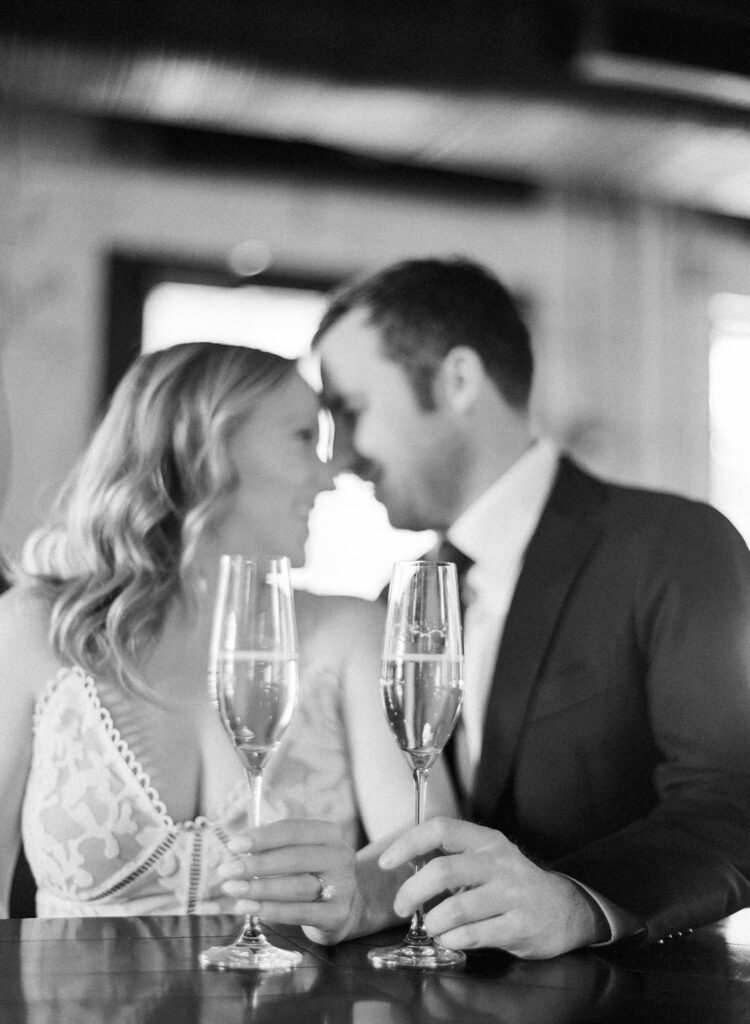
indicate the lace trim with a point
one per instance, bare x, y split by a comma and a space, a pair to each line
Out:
45, 696
221, 835
199, 824
194, 879
147, 864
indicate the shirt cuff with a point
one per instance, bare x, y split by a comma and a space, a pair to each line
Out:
621, 922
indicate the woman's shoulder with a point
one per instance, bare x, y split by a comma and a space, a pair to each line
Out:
25, 607
324, 609
24, 642
333, 621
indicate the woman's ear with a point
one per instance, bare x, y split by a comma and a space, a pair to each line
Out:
459, 379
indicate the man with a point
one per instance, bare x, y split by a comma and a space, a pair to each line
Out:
603, 754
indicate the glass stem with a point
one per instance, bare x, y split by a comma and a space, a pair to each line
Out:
417, 931
251, 932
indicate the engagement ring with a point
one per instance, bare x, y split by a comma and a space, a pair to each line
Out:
325, 892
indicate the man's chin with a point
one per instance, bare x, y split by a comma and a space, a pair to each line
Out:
298, 555
401, 520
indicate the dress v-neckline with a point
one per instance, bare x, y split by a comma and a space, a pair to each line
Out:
134, 765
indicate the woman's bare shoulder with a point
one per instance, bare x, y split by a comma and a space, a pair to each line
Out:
336, 620
337, 607
25, 607
24, 643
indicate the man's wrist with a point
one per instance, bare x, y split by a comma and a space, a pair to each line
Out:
618, 923
588, 922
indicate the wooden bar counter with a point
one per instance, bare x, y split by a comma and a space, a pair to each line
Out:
133, 970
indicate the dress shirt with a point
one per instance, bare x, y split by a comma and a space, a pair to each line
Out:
494, 533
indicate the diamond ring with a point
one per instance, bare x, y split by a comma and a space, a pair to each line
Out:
325, 892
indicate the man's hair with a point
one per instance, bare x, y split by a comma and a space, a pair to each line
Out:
426, 307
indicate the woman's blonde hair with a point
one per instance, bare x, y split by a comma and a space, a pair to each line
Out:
117, 548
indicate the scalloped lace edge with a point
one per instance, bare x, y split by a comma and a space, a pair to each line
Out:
121, 745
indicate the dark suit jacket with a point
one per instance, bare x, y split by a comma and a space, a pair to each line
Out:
617, 735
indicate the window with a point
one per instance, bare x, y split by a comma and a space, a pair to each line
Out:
280, 319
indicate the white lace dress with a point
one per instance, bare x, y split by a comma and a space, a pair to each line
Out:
100, 841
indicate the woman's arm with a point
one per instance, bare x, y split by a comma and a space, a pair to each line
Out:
382, 776
22, 648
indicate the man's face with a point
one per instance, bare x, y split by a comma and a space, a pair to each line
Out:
411, 455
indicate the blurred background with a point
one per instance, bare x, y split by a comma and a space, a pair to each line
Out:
177, 170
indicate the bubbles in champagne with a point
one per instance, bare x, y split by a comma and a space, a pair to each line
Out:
257, 693
422, 696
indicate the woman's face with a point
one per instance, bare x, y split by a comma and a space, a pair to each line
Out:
279, 475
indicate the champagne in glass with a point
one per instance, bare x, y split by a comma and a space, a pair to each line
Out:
253, 680
422, 691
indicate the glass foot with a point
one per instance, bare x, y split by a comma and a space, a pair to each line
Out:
425, 954
258, 955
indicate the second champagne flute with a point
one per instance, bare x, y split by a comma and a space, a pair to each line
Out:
253, 680
422, 690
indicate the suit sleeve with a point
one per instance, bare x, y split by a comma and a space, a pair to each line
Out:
688, 861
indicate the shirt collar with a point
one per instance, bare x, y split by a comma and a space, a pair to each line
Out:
495, 529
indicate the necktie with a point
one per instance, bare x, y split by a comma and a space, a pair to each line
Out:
455, 751
448, 552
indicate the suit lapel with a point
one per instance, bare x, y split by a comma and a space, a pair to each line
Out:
567, 531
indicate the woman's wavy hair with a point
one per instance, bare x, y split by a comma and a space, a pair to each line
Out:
116, 550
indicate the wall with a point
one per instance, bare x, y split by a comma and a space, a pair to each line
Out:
619, 292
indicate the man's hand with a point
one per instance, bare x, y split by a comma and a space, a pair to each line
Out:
499, 897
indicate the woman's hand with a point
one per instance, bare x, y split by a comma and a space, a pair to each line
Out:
296, 872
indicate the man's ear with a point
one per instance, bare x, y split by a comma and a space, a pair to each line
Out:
459, 379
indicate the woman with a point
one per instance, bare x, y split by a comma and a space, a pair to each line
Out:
129, 792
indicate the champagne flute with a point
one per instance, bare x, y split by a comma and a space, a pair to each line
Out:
422, 691
253, 680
